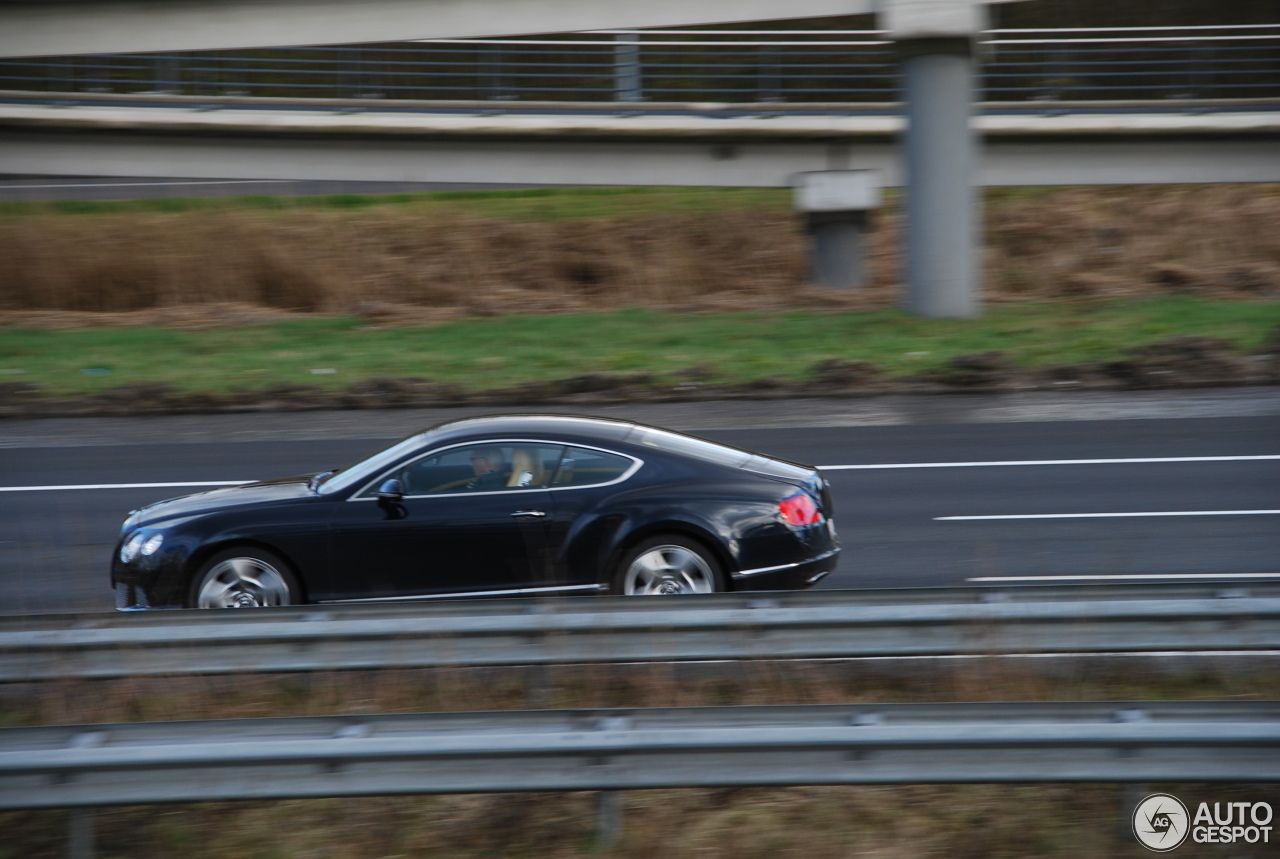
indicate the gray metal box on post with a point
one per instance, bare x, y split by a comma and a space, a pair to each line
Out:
935, 45
837, 206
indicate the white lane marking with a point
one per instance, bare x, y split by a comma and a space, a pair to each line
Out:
153, 184
1047, 462
1110, 515
122, 486
1143, 577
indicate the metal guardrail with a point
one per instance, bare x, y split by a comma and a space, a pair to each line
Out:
816, 624
1233, 61
94, 765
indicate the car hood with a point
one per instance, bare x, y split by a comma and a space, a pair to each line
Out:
261, 492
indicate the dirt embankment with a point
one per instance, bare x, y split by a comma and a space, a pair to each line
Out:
404, 265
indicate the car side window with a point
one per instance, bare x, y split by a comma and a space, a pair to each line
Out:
582, 466
482, 467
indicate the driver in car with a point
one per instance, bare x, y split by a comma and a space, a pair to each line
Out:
490, 468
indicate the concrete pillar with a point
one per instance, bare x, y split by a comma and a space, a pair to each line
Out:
935, 40
627, 71
836, 204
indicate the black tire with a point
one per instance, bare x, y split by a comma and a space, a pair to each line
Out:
667, 564
243, 577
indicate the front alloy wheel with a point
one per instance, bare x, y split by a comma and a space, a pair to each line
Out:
244, 578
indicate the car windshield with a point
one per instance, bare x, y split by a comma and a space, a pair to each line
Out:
352, 474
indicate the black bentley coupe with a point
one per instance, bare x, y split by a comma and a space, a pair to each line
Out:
490, 506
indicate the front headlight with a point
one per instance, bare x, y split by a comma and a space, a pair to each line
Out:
132, 546
153, 543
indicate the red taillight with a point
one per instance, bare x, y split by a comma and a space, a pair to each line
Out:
799, 510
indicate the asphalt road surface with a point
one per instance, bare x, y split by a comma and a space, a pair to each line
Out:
928, 491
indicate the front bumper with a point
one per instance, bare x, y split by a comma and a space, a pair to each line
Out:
134, 598
131, 598
150, 585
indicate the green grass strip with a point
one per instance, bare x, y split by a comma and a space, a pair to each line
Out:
491, 353
530, 204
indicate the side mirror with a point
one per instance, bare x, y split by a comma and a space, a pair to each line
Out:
391, 491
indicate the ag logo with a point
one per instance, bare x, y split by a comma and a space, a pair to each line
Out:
1160, 822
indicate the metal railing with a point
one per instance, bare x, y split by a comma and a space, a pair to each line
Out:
822, 66
233, 759
807, 625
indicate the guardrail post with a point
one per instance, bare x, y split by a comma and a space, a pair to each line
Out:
608, 817
627, 72
837, 205
935, 57
80, 834
768, 75
537, 686
1131, 794
492, 72
168, 77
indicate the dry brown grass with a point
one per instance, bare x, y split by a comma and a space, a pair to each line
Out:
758, 682
1217, 240
903, 822
343, 262
869, 822
397, 265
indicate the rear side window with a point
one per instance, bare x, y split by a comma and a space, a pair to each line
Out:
585, 467
684, 445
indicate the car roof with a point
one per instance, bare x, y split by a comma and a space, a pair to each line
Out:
624, 434
578, 426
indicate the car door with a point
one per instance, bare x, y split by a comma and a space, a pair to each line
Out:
581, 532
457, 530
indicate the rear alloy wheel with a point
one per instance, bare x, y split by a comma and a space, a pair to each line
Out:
666, 566
245, 577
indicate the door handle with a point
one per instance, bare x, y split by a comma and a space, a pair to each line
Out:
529, 514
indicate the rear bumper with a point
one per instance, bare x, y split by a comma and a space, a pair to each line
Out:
800, 574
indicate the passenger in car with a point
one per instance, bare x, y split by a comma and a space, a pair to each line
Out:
526, 468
